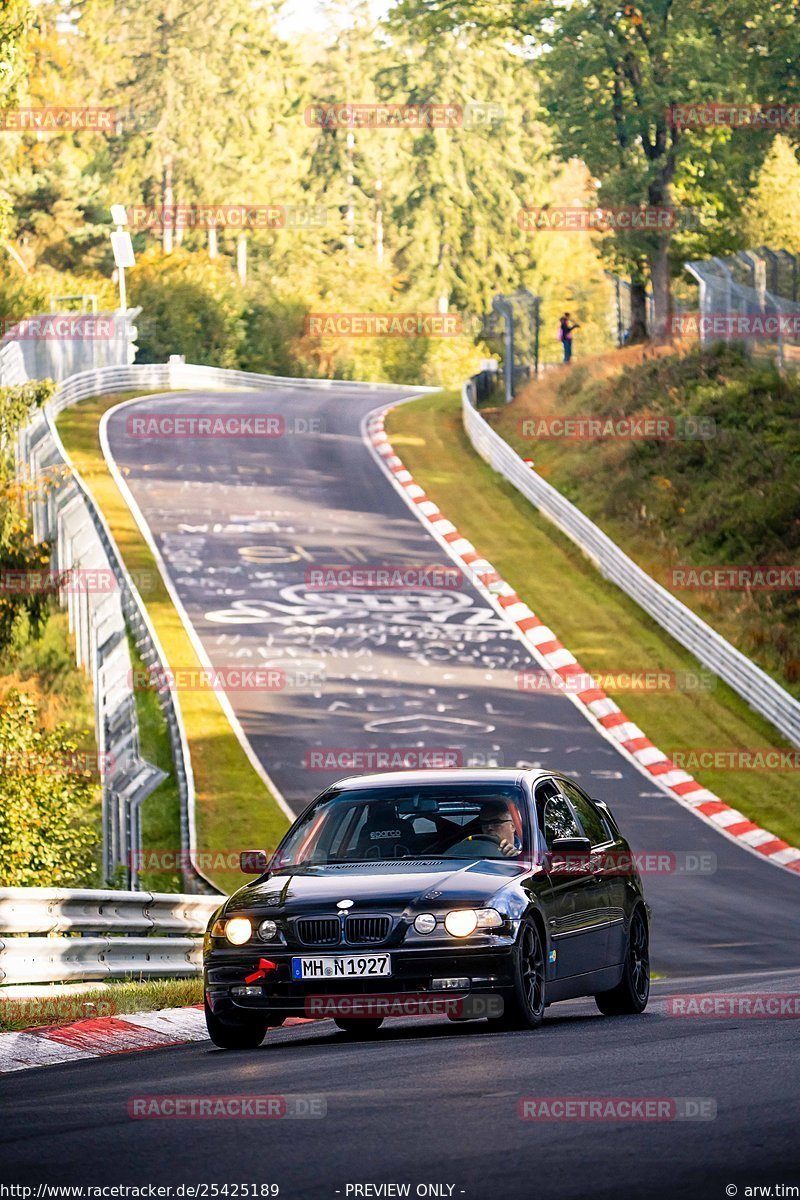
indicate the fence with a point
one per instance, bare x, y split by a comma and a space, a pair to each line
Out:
752, 297
40, 348
109, 935
623, 314
520, 313
763, 694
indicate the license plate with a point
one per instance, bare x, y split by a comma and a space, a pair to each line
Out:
341, 966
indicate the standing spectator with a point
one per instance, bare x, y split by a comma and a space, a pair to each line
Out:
565, 336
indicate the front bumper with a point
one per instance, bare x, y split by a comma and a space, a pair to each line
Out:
489, 969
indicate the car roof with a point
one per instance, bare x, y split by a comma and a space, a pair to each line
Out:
440, 775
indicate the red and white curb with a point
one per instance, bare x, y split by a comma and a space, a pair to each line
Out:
603, 712
97, 1037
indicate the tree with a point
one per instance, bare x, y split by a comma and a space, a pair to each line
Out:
610, 73
15, 17
21, 611
45, 792
772, 212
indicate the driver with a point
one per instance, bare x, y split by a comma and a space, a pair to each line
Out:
498, 824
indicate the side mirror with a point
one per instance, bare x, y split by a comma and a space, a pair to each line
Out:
253, 862
570, 856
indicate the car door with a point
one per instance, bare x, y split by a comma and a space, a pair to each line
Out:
608, 866
578, 926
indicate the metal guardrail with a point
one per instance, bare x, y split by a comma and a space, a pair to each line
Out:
761, 692
64, 513
68, 516
117, 924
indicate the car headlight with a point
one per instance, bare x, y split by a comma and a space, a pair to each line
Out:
237, 930
461, 922
267, 930
488, 918
425, 923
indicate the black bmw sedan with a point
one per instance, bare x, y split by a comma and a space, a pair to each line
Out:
500, 890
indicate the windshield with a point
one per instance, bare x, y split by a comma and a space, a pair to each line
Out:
467, 821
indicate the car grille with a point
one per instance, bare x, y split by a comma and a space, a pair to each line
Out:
360, 930
318, 931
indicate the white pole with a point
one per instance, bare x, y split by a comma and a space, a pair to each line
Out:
123, 294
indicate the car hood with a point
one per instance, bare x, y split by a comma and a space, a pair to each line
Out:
392, 886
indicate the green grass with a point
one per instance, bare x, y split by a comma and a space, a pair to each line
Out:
233, 807
58, 1005
605, 630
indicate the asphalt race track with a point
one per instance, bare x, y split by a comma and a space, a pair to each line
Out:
432, 1103
240, 523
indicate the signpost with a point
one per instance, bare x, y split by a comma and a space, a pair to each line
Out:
123, 250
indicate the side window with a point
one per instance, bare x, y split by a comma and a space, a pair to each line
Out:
559, 821
592, 821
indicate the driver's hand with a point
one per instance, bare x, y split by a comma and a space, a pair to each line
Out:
508, 848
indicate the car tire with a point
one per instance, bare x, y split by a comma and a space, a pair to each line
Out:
525, 1006
631, 994
233, 1037
366, 1025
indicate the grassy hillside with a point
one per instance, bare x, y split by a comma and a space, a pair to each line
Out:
728, 499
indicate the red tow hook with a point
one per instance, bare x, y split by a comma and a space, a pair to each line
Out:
264, 967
